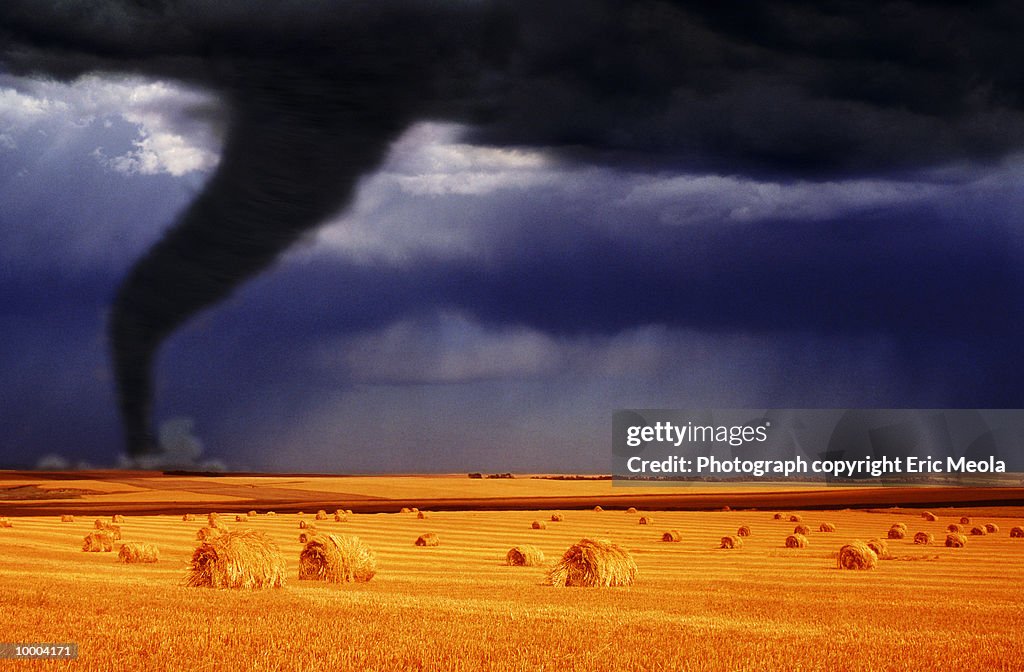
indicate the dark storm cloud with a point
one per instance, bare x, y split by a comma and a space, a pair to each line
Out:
315, 92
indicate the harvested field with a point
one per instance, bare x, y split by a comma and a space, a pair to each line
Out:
459, 608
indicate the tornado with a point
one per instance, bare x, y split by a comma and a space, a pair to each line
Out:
253, 209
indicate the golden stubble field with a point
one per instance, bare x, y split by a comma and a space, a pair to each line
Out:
458, 607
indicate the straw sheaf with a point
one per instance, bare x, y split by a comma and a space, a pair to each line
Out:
428, 539
244, 559
337, 558
796, 541
956, 540
897, 532
594, 563
138, 552
98, 541
857, 555
731, 541
524, 555
880, 547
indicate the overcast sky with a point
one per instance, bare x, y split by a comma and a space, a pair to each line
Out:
486, 299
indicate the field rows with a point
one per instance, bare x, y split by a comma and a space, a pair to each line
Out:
458, 607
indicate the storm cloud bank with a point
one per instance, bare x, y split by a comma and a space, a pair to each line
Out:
313, 95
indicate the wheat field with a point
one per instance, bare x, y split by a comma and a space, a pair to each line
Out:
458, 606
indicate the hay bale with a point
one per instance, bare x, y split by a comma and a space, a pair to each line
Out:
348, 512
631, 509
241, 518
301, 513
98, 541
795, 518
956, 540
422, 515
646, 520
672, 535
929, 516
271, 513
303, 524
99, 523
594, 563
337, 558
206, 533
965, 520
923, 538
66, 518
340, 517
212, 519
414, 509
113, 530
1017, 532
598, 509
902, 526
744, 531
557, 517
796, 541
896, 532
802, 529
857, 555
978, 531
137, 552
188, 518
539, 525
524, 555
826, 527
880, 547
244, 559
779, 516
428, 539
117, 518
252, 514
5, 523
726, 508
321, 515
731, 541
405, 509
991, 528
954, 528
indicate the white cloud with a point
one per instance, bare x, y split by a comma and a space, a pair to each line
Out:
692, 199
175, 134
429, 161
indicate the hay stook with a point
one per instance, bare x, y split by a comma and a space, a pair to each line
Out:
672, 535
594, 563
796, 541
857, 555
244, 559
337, 558
428, 539
524, 555
133, 552
731, 541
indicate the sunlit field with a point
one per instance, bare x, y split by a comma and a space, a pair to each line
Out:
457, 606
